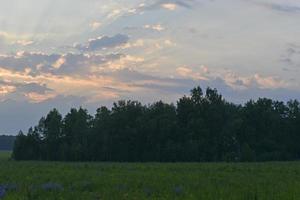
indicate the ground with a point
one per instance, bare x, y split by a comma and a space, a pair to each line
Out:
59, 180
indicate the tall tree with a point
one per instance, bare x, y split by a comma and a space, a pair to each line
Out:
52, 134
75, 132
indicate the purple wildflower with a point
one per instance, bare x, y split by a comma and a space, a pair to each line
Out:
2, 191
178, 190
10, 187
52, 187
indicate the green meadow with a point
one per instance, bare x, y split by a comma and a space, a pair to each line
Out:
61, 180
5, 155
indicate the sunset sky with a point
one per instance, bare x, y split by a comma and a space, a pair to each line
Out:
70, 53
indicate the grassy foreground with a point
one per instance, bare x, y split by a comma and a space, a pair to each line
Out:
5, 155
55, 180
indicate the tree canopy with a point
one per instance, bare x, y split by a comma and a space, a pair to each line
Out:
199, 127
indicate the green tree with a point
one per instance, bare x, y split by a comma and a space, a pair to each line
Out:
75, 133
52, 133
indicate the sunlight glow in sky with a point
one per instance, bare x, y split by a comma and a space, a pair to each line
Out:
66, 53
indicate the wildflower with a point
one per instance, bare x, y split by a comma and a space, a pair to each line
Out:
121, 187
10, 187
52, 187
148, 192
87, 185
178, 190
2, 191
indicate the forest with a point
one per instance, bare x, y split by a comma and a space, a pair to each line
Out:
201, 127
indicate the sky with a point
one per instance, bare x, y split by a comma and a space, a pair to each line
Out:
71, 53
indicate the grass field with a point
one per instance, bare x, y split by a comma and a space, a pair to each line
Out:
5, 155
55, 180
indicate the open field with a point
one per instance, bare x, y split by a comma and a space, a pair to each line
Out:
5, 155
54, 180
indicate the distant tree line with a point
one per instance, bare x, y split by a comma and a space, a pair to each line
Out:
7, 142
200, 127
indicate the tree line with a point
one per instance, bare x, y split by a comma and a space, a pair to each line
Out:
200, 127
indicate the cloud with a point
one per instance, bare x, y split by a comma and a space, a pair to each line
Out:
125, 61
291, 7
156, 27
291, 57
6, 89
31, 91
94, 86
114, 13
169, 6
80, 64
187, 72
104, 42
32, 88
94, 75
254, 92
269, 82
59, 63
134, 44
23, 60
65, 74
173, 4
24, 42
7, 36
285, 8
95, 25
37, 62
171, 88
159, 44
254, 81
16, 40
3, 40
